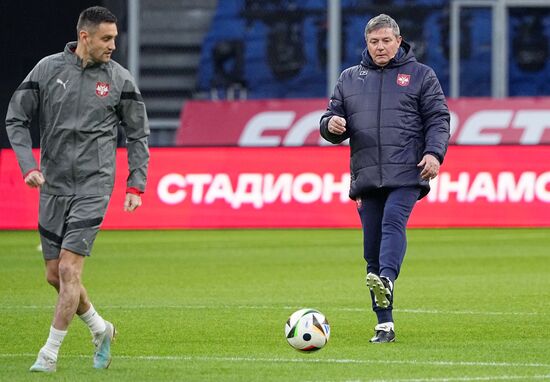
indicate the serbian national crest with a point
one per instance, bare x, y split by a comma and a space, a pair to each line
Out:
403, 79
102, 89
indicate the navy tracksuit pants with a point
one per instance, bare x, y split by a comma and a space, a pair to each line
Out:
384, 214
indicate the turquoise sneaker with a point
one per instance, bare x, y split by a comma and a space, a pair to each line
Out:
102, 342
44, 364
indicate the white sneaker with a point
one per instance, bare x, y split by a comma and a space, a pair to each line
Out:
44, 363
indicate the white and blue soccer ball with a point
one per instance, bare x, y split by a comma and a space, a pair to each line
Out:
307, 330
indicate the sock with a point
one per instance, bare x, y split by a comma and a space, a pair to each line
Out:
54, 342
94, 321
385, 325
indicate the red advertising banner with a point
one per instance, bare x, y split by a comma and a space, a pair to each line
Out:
262, 123
479, 186
265, 123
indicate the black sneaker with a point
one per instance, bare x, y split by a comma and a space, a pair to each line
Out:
382, 289
383, 334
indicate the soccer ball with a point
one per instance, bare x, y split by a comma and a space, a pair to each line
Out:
307, 330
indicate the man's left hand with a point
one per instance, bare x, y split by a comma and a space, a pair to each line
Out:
132, 202
430, 166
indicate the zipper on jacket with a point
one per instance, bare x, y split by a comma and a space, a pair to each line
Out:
379, 126
77, 120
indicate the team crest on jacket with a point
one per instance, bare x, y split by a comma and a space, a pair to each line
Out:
102, 89
403, 79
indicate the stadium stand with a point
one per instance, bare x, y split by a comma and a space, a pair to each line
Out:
258, 49
282, 45
171, 34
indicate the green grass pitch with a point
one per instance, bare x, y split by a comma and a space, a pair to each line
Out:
471, 305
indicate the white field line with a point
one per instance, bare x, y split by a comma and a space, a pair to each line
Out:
269, 307
465, 379
342, 361
298, 360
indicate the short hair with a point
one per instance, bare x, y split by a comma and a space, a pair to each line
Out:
382, 21
90, 18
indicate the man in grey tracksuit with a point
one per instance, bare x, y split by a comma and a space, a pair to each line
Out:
81, 97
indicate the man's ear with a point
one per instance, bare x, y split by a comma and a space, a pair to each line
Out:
83, 35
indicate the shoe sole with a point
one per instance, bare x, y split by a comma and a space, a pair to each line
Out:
112, 340
382, 342
375, 284
41, 370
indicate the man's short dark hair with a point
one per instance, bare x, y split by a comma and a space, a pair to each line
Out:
90, 18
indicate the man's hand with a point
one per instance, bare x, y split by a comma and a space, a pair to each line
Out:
132, 202
431, 167
34, 179
337, 125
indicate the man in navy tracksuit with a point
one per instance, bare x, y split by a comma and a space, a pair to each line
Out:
394, 113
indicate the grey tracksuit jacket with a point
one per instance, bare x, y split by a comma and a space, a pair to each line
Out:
79, 111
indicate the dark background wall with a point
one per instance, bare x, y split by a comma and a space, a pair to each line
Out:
30, 30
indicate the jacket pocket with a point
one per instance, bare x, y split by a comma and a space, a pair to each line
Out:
106, 159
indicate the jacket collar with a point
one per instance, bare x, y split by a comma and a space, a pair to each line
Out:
72, 58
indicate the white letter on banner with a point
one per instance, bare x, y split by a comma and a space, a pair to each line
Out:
446, 186
482, 187
311, 196
163, 189
245, 195
472, 132
220, 188
534, 123
281, 187
454, 123
509, 190
306, 125
267, 120
331, 187
198, 181
542, 187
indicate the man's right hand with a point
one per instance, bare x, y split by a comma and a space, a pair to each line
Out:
337, 125
34, 179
